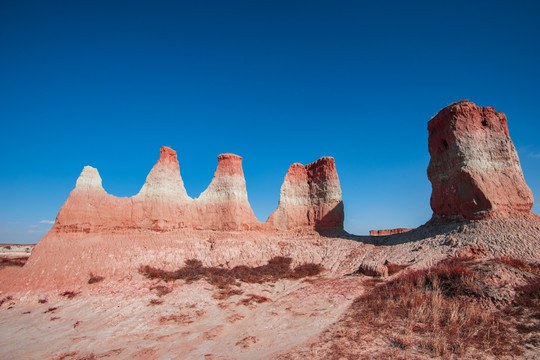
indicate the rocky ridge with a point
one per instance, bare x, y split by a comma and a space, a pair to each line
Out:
312, 201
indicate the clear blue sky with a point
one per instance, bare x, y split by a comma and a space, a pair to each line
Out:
107, 83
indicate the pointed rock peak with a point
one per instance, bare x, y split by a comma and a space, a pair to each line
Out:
164, 180
167, 156
229, 164
89, 180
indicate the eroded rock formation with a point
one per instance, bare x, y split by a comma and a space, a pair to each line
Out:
224, 204
474, 168
388, 232
162, 204
310, 197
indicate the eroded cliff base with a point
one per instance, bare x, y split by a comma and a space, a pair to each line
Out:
89, 299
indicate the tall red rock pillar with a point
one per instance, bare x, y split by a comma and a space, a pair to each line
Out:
224, 204
163, 204
474, 168
310, 197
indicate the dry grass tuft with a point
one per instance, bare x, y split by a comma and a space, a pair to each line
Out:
95, 278
533, 268
253, 299
70, 294
441, 311
227, 293
247, 341
65, 356
161, 290
181, 319
7, 298
154, 302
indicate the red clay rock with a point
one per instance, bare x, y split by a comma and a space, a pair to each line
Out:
310, 198
474, 168
164, 181
224, 204
388, 232
162, 204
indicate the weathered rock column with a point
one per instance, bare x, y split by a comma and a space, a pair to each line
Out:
474, 168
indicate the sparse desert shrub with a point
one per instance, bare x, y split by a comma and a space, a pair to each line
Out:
77, 323
276, 269
65, 356
155, 273
193, 263
182, 319
252, 299
69, 294
235, 317
533, 268
247, 341
95, 279
526, 308
227, 293
50, 310
155, 302
306, 270
161, 290
7, 298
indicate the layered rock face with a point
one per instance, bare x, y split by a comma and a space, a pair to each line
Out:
224, 204
164, 181
474, 167
310, 197
162, 204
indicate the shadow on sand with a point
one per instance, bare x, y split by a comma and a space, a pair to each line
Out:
435, 226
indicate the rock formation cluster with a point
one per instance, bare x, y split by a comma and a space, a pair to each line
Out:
474, 171
310, 199
474, 168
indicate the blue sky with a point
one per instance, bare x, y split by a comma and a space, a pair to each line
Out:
107, 83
